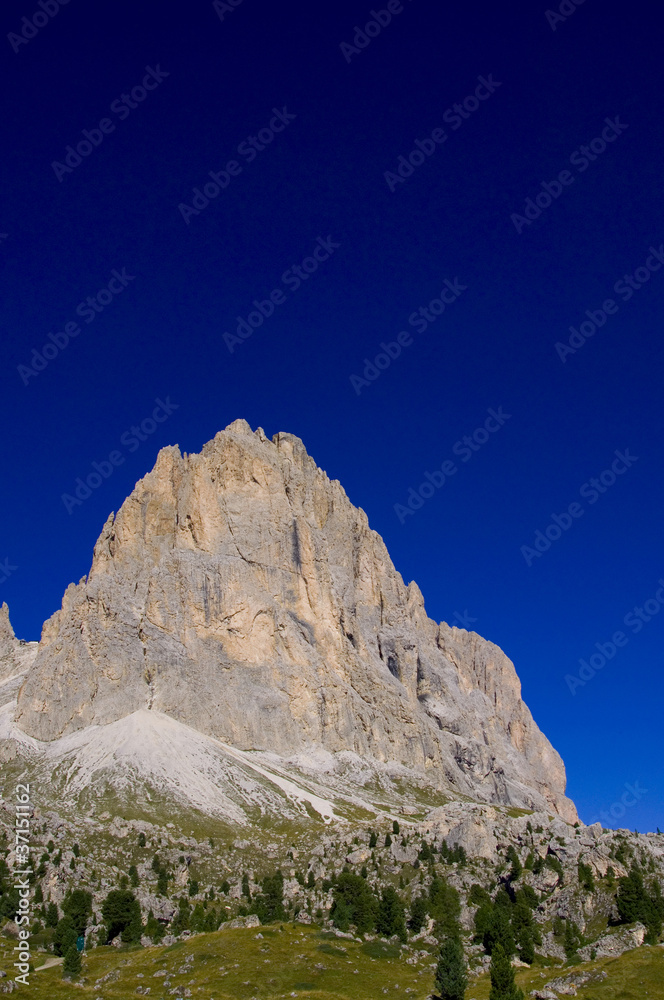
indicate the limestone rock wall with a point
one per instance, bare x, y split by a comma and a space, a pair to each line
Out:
239, 591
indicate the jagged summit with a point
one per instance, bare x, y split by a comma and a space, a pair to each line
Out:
239, 592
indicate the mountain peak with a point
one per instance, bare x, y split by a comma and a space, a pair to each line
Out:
240, 592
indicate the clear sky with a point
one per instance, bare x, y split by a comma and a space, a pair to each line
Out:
460, 183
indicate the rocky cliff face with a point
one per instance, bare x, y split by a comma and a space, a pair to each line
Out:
240, 592
15, 655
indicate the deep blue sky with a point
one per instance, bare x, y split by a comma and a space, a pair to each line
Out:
323, 176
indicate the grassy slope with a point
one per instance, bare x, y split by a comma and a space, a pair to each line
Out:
238, 965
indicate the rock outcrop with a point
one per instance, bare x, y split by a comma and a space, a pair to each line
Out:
15, 655
241, 593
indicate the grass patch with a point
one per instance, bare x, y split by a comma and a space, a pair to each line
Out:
238, 965
329, 949
636, 975
380, 949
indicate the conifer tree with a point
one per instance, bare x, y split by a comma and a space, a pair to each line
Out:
503, 986
71, 967
245, 886
64, 936
77, 904
390, 918
418, 914
451, 977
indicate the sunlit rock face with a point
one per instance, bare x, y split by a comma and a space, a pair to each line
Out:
240, 591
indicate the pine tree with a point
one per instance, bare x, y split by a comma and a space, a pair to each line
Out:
162, 883
122, 913
635, 902
269, 905
64, 936
418, 914
503, 986
182, 920
516, 868
586, 880
245, 886
572, 939
77, 904
526, 932
444, 906
342, 914
451, 978
390, 919
71, 967
133, 876
354, 901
